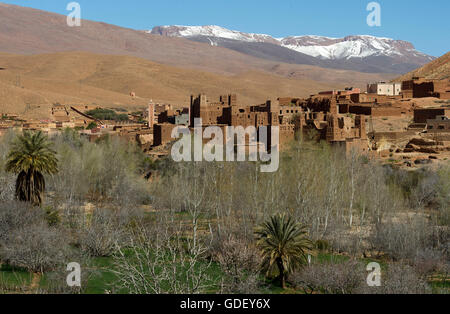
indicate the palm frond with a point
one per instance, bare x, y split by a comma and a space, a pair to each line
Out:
30, 157
282, 240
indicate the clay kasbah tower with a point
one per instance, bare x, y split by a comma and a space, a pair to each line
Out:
151, 115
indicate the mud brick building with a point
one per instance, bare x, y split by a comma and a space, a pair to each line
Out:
211, 113
290, 101
155, 110
162, 133
422, 115
347, 91
292, 116
60, 113
178, 117
372, 98
228, 112
421, 87
345, 133
373, 110
319, 103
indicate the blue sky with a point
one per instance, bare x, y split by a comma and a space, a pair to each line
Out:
424, 23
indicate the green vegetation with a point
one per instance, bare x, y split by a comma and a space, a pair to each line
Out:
31, 157
284, 245
190, 227
107, 114
91, 126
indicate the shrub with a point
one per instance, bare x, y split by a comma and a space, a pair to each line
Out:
91, 126
240, 262
27, 241
428, 261
399, 279
14, 215
402, 240
7, 186
104, 230
36, 248
56, 281
52, 216
344, 278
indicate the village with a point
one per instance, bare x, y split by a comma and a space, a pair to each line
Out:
404, 123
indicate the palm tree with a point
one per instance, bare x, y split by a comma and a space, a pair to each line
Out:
30, 157
284, 245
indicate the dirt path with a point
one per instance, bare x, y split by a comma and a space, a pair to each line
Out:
34, 285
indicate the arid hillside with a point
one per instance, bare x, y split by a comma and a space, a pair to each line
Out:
30, 31
30, 84
437, 69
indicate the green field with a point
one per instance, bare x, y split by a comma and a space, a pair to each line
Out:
102, 278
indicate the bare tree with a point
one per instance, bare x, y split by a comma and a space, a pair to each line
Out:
240, 261
162, 261
399, 279
106, 228
27, 241
343, 278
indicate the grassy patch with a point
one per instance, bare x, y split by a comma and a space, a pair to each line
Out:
103, 278
14, 279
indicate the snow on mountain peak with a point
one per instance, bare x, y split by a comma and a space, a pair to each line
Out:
210, 31
328, 48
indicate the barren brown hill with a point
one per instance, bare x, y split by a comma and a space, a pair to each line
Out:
30, 84
30, 31
438, 69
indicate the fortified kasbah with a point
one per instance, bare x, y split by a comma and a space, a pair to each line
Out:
403, 123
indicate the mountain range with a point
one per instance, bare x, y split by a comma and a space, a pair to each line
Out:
362, 53
44, 61
30, 31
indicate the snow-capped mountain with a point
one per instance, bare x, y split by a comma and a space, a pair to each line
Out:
366, 53
360, 46
211, 31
